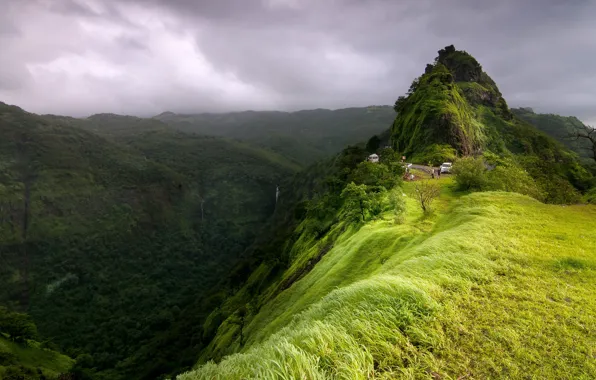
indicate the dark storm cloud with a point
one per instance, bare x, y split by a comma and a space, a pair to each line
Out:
146, 56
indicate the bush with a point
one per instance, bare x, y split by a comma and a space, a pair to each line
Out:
426, 192
470, 173
590, 197
376, 196
513, 179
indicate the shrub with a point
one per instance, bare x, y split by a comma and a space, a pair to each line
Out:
426, 192
470, 173
513, 179
590, 196
375, 200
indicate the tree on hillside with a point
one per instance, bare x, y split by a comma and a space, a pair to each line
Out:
426, 192
356, 200
18, 326
587, 133
377, 174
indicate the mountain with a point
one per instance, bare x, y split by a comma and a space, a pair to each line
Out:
562, 128
362, 275
455, 106
108, 233
303, 136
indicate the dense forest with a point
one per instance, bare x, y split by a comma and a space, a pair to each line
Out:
106, 238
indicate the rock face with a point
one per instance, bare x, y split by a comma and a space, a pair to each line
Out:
462, 65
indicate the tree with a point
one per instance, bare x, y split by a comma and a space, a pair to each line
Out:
19, 326
376, 174
588, 133
470, 173
426, 192
356, 201
373, 144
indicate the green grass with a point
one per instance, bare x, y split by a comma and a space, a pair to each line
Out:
50, 362
492, 285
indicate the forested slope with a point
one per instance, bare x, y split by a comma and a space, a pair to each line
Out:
562, 128
303, 136
108, 234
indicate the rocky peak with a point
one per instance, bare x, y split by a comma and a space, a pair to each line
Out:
464, 67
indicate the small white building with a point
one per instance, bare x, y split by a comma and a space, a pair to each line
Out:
373, 158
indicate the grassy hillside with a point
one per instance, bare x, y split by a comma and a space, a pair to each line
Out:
493, 285
31, 361
109, 234
303, 136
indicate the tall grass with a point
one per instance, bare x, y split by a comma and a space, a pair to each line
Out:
497, 285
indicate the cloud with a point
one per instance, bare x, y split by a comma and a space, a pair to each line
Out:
147, 56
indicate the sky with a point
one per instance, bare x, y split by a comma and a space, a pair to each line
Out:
144, 57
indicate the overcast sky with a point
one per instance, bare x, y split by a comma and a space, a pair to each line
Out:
143, 57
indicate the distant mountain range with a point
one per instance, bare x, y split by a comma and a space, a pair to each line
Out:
302, 136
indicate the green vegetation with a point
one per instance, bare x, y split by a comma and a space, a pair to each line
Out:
111, 238
473, 174
436, 154
489, 284
455, 108
436, 112
562, 128
425, 192
21, 357
493, 285
303, 136
18, 326
470, 173
31, 361
136, 246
